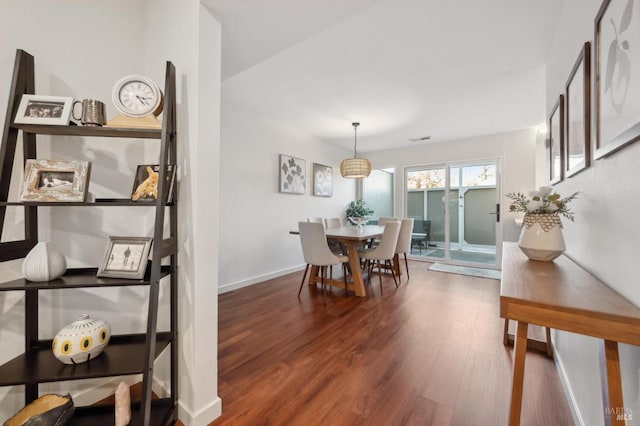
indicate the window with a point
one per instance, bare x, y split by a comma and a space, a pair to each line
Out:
377, 192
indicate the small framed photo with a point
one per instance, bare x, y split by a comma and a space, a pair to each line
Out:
293, 175
145, 184
37, 109
322, 180
55, 181
125, 257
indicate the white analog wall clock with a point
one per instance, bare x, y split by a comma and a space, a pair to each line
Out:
137, 96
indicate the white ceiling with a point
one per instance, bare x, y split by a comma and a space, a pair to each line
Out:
450, 69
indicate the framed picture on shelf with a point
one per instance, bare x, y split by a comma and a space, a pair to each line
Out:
617, 92
555, 143
293, 175
145, 184
125, 257
55, 181
322, 180
578, 115
37, 109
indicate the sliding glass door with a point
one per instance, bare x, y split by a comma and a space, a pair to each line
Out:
456, 210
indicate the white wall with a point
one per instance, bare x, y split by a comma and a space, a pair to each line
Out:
604, 238
256, 219
517, 151
80, 51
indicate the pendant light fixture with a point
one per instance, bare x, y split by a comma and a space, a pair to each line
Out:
355, 167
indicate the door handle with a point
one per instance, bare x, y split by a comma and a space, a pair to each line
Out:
497, 212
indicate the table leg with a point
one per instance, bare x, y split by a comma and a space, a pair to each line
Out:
356, 272
518, 373
396, 265
616, 403
313, 276
505, 335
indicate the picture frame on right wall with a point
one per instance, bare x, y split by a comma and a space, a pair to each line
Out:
555, 143
617, 94
578, 115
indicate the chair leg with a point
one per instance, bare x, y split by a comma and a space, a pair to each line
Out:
330, 277
323, 271
393, 273
303, 278
406, 264
380, 275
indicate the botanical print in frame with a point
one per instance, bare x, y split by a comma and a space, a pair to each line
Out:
617, 68
578, 112
125, 257
55, 181
322, 180
293, 175
556, 142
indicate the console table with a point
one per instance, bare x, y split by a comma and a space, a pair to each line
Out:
562, 295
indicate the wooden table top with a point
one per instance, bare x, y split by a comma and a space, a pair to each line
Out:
562, 295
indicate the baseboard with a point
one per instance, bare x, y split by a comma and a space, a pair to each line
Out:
258, 279
202, 417
564, 379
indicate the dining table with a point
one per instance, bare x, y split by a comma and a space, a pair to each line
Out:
353, 239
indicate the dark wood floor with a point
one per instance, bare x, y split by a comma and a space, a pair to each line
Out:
428, 353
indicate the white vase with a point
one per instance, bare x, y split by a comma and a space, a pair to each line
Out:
43, 263
541, 237
82, 340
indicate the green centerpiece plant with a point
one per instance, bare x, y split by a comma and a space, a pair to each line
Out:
358, 213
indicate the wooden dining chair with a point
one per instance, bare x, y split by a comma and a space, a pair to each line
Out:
384, 251
404, 241
315, 251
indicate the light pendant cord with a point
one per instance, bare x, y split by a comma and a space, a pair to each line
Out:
355, 141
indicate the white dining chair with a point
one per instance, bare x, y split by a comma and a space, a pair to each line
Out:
332, 222
404, 241
315, 251
316, 220
381, 222
384, 251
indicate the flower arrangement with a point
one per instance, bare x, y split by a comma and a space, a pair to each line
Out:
542, 201
358, 209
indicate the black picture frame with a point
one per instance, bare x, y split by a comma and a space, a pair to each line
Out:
555, 143
145, 188
577, 141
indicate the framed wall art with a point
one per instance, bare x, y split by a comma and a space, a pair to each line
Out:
617, 65
37, 109
55, 181
578, 114
293, 175
322, 180
145, 184
555, 143
125, 257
